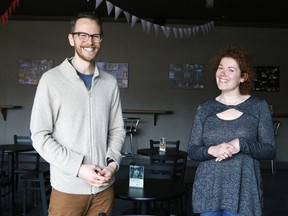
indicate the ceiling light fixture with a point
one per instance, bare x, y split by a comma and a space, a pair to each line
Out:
209, 3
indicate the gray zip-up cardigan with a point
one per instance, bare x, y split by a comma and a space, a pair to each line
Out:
71, 125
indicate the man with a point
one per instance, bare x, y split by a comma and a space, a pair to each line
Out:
77, 126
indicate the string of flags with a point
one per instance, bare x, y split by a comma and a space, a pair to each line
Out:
132, 19
5, 17
178, 32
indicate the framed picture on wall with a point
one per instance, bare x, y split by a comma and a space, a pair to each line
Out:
30, 71
267, 78
118, 70
186, 76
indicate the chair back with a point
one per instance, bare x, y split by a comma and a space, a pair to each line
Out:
169, 144
22, 140
158, 171
178, 164
24, 159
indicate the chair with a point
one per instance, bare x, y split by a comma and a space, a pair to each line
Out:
169, 144
158, 171
130, 125
178, 163
276, 125
35, 181
24, 161
5, 182
178, 167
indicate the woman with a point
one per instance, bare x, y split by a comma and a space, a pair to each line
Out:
230, 134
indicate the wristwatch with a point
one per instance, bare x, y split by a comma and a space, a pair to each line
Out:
109, 160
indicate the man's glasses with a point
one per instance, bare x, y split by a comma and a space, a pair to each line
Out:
84, 36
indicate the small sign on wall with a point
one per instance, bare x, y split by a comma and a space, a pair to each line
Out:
267, 78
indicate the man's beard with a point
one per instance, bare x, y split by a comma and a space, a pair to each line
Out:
85, 58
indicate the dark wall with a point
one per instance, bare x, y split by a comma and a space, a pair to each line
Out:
149, 56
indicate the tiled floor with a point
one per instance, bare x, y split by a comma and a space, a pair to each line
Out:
275, 195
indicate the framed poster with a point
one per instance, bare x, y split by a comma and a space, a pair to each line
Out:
30, 71
118, 70
186, 76
267, 78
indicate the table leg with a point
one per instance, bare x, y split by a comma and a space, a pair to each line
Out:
144, 208
11, 175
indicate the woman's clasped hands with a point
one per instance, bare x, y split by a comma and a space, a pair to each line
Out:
224, 150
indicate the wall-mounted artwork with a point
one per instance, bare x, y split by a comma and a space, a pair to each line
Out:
186, 76
267, 78
30, 71
118, 70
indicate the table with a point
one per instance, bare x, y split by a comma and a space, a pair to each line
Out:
155, 151
154, 190
11, 149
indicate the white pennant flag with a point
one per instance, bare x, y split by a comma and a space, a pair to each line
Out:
98, 2
164, 30
156, 27
127, 15
197, 29
117, 12
207, 28
181, 32
109, 7
134, 20
149, 24
202, 28
186, 32
175, 30
189, 32
144, 25
168, 31
212, 24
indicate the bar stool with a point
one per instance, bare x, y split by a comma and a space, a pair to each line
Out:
130, 125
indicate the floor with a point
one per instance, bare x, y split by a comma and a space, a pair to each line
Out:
275, 195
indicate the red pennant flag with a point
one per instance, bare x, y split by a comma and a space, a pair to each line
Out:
4, 18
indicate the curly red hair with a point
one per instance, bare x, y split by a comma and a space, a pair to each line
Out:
244, 59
